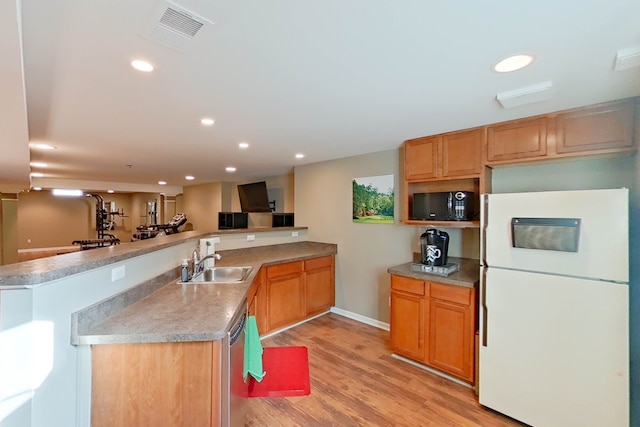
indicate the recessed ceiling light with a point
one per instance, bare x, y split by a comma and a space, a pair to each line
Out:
207, 122
66, 192
189, 178
38, 164
142, 65
243, 145
110, 191
37, 174
162, 182
299, 156
37, 188
513, 63
230, 169
44, 147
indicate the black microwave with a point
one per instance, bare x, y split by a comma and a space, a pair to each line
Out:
443, 206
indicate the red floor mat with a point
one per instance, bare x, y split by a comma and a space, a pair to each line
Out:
287, 373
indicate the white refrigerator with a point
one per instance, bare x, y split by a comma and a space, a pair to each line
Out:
554, 307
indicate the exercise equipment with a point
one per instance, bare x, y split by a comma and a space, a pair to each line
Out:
104, 221
149, 232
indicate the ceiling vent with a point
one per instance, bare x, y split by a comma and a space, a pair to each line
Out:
627, 58
526, 95
174, 26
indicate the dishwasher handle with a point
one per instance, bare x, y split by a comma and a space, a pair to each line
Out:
237, 330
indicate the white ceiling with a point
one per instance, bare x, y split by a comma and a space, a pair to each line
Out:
329, 79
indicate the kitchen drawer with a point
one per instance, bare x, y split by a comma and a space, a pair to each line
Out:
452, 293
316, 263
405, 284
285, 269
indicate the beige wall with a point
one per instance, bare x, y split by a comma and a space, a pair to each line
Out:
323, 193
50, 221
365, 251
201, 204
8, 229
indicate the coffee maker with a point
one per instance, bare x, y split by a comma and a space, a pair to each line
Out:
434, 247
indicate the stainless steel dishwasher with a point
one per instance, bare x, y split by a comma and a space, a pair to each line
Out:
235, 390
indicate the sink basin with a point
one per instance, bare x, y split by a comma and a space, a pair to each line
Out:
222, 275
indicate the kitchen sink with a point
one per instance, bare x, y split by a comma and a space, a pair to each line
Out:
221, 275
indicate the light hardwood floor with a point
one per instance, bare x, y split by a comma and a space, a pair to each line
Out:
356, 382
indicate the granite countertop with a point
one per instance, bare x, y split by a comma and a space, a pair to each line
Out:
29, 274
32, 273
189, 312
468, 275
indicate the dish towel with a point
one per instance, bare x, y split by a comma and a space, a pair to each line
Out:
252, 351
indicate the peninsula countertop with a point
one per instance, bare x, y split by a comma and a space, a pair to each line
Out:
190, 312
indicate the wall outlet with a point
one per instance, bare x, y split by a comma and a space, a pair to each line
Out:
251, 237
294, 234
117, 273
215, 240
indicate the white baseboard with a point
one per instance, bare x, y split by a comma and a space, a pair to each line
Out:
433, 371
360, 318
272, 333
357, 317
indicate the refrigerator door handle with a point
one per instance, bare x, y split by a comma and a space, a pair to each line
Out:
483, 307
484, 219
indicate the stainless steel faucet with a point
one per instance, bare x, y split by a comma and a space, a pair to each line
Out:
198, 263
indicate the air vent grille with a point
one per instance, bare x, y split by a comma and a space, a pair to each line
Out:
180, 22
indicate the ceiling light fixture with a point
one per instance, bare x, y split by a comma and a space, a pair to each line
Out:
66, 192
44, 147
162, 182
513, 63
110, 191
37, 174
230, 169
39, 165
243, 145
189, 178
299, 156
142, 65
207, 122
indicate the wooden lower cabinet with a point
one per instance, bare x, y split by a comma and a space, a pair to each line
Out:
319, 284
294, 291
434, 323
407, 325
285, 294
156, 384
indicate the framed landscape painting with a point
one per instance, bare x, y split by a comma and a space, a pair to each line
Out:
373, 200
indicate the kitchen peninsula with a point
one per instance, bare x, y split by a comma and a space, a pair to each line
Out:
37, 299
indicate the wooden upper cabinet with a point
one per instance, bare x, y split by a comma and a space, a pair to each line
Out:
600, 127
448, 155
519, 139
462, 153
420, 158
